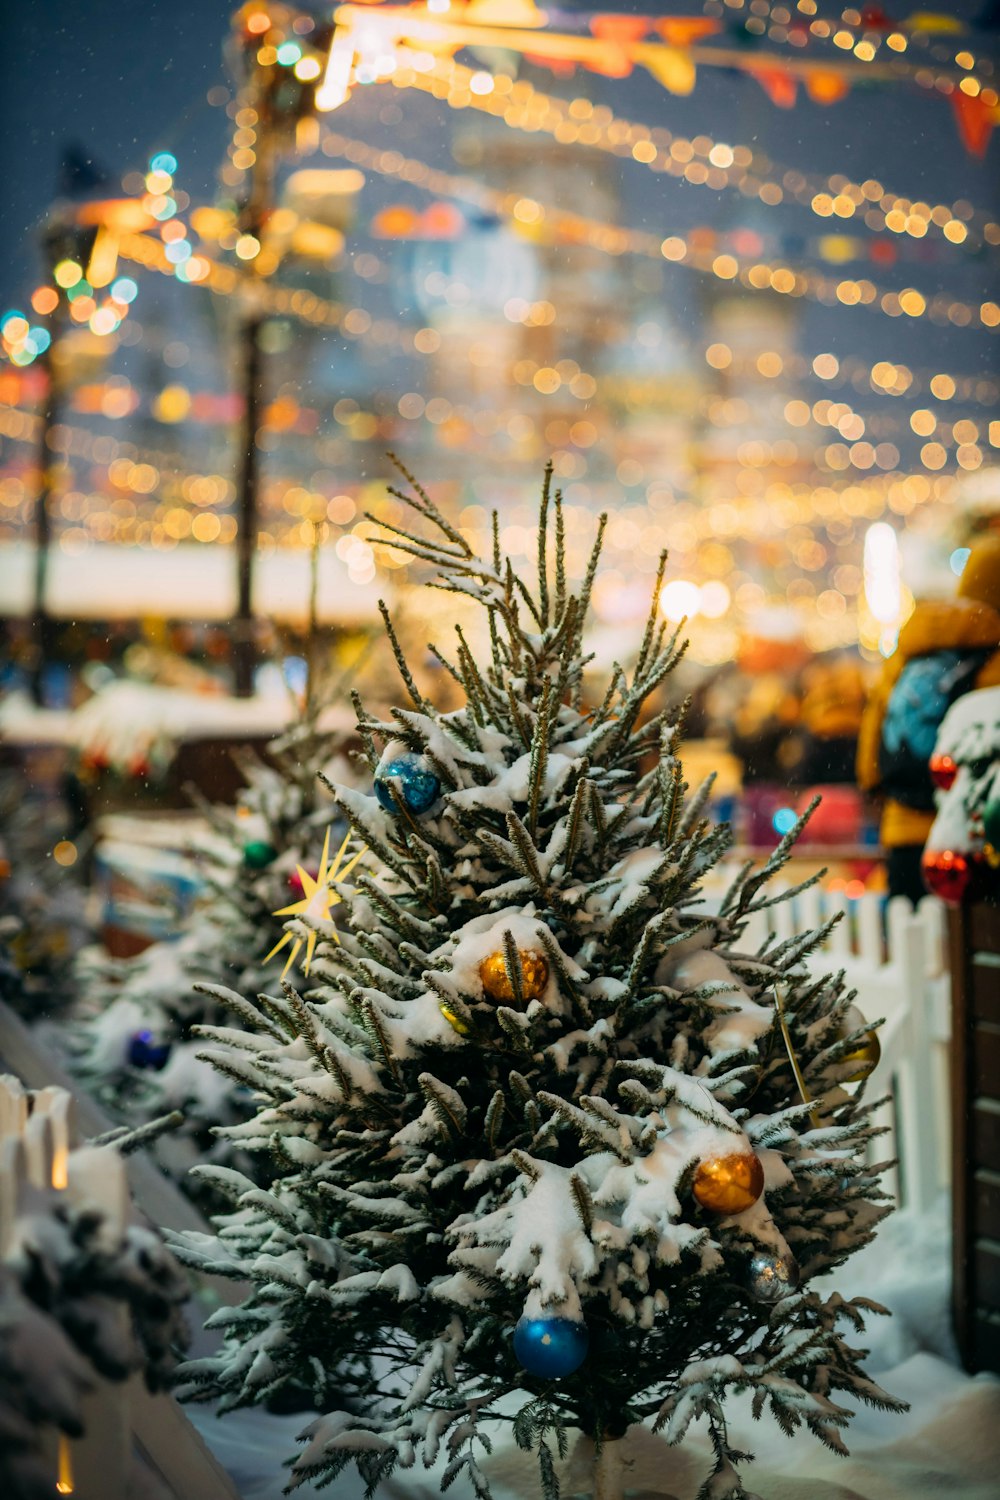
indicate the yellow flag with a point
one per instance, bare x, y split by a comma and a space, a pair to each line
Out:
670, 66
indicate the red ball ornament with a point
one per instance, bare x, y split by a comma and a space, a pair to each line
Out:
943, 772
946, 874
294, 882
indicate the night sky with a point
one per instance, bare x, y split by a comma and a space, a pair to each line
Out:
119, 79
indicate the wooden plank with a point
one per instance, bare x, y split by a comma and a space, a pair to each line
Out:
985, 1074
986, 1274
175, 1449
985, 976
985, 1345
984, 1136
963, 1310
984, 928
986, 1203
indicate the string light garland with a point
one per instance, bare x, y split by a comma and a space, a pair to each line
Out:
637, 393
861, 32
701, 162
357, 323
816, 520
685, 527
384, 45
862, 454
547, 380
753, 274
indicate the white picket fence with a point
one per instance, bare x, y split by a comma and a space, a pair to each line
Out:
898, 966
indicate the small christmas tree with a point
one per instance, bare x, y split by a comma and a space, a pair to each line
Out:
43, 917
554, 1150
132, 1040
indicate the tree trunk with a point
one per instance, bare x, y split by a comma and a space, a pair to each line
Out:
609, 1471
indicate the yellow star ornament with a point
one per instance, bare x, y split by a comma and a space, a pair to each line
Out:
316, 903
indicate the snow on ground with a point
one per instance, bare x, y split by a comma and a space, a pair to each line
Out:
946, 1447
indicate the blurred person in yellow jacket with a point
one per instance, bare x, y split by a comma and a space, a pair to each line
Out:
946, 648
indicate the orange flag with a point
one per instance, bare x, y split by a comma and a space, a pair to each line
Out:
975, 122
681, 31
826, 88
780, 87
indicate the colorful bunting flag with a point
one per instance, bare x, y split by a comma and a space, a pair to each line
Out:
975, 122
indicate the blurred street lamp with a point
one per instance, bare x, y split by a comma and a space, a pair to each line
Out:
279, 73
64, 240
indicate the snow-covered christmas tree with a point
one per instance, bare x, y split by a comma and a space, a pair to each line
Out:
133, 1039
551, 1149
43, 917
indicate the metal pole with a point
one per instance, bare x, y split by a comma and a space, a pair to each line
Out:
253, 219
42, 623
244, 646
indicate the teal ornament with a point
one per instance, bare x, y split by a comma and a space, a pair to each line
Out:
415, 783
771, 1276
258, 854
991, 822
551, 1348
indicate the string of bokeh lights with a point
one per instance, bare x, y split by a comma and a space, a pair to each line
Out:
753, 274
568, 376
884, 376
103, 302
581, 121
175, 257
862, 32
701, 162
701, 534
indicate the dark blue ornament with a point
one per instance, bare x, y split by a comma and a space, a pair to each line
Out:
410, 776
551, 1348
144, 1051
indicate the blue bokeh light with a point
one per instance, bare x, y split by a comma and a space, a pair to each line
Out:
784, 820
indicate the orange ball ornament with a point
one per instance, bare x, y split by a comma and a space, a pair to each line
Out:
729, 1184
496, 980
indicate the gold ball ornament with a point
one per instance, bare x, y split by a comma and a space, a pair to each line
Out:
864, 1057
729, 1184
496, 980
454, 1021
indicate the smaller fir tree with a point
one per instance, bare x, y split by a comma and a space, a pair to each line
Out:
540, 1154
43, 915
132, 1039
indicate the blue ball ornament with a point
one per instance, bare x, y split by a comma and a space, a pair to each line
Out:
144, 1051
415, 783
551, 1348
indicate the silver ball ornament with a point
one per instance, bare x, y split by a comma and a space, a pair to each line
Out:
771, 1276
